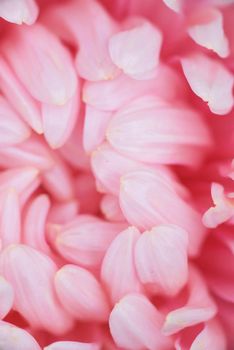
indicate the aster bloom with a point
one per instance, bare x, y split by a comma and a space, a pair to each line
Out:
116, 175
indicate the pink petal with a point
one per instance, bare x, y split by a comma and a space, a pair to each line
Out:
118, 272
81, 294
60, 118
63, 212
94, 127
112, 95
10, 226
199, 308
85, 190
205, 27
15, 338
135, 324
150, 130
126, 50
211, 337
148, 198
12, 129
34, 223
161, 259
223, 209
6, 297
72, 345
175, 5
19, 11
110, 208
42, 63
31, 274
19, 97
211, 81
85, 243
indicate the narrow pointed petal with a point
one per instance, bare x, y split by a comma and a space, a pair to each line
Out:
50, 77
85, 243
72, 345
12, 129
150, 130
31, 274
112, 95
110, 208
205, 27
118, 272
81, 294
200, 307
148, 198
19, 98
10, 225
161, 259
19, 11
223, 209
15, 338
211, 337
126, 51
135, 324
95, 125
34, 223
59, 121
211, 81
6, 297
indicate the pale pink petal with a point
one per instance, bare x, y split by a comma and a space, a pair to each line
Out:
34, 223
32, 152
126, 50
58, 180
42, 64
85, 243
135, 324
72, 345
148, 198
150, 130
200, 307
31, 274
110, 208
10, 218
223, 209
211, 81
15, 338
81, 294
161, 259
19, 97
114, 94
12, 129
175, 5
211, 337
118, 272
95, 124
63, 212
60, 118
6, 297
205, 27
19, 11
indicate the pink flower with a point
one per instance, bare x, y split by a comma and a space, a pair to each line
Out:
116, 175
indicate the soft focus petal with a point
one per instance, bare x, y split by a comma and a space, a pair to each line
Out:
31, 274
81, 294
19, 11
118, 272
135, 324
161, 259
15, 338
6, 297
72, 345
211, 337
126, 50
110, 208
211, 81
206, 28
